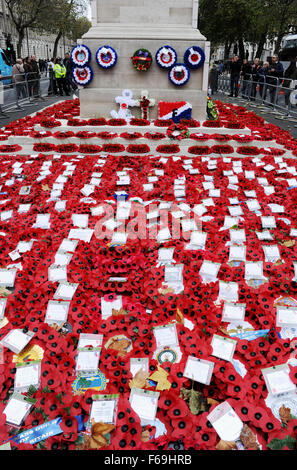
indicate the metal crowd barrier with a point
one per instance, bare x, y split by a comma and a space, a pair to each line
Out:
17, 96
267, 91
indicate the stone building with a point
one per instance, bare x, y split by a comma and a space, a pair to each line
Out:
41, 45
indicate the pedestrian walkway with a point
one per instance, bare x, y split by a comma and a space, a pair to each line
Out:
14, 115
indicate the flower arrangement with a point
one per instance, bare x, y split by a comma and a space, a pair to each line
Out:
116, 122
169, 148
252, 150
10, 148
82, 76
49, 123
183, 405
142, 60
178, 132
106, 57
199, 150
166, 57
194, 57
211, 123
97, 122
222, 149
113, 148
179, 75
89, 149
66, 148
163, 122
131, 135
45, 147
85, 134
63, 135
138, 149
105, 135
81, 56
190, 122
154, 135
139, 122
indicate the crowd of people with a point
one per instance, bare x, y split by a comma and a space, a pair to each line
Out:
265, 78
27, 73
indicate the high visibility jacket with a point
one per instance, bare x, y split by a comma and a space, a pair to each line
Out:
60, 71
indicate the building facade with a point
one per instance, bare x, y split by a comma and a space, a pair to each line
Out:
40, 45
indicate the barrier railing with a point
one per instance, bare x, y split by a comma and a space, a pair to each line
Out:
24, 91
279, 94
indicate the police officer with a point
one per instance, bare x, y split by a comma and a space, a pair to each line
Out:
60, 75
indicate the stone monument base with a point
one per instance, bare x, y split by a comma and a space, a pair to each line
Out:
98, 99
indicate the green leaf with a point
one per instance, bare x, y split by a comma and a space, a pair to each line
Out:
68, 410
31, 391
46, 390
79, 441
41, 445
75, 341
279, 444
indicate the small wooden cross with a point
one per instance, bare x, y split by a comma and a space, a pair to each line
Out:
144, 103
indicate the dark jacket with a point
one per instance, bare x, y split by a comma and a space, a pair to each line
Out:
30, 74
290, 73
246, 71
275, 72
235, 68
255, 71
35, 70
69, 66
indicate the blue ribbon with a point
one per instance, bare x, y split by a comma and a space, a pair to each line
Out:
44, 431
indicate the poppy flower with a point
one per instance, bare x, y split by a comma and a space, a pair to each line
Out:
181, 427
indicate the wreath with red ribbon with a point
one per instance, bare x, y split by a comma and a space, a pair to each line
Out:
178, 132
142, 60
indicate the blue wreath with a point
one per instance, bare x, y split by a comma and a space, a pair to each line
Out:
188, 55
112, 62
85, 82
162, 64
75, 51
176, 82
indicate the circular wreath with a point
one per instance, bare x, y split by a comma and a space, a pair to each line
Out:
178, 132
106, 57
81, 55
194, 57
179, 75
166, 57
82, 76
142, 60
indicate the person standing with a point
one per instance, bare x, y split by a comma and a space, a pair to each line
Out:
235, 69
69, 66
36, 77
289, 75
274, 74
246, 72
255, 77
19, 78
29, 74
262, 74
52, 89
60, 74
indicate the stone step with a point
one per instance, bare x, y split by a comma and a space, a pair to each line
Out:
27, 149
143, 129
153, 144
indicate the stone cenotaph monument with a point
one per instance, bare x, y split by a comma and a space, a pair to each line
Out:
129, 25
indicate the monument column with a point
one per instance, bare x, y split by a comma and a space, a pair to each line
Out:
128, 25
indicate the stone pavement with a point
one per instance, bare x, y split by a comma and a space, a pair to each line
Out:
15, 114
